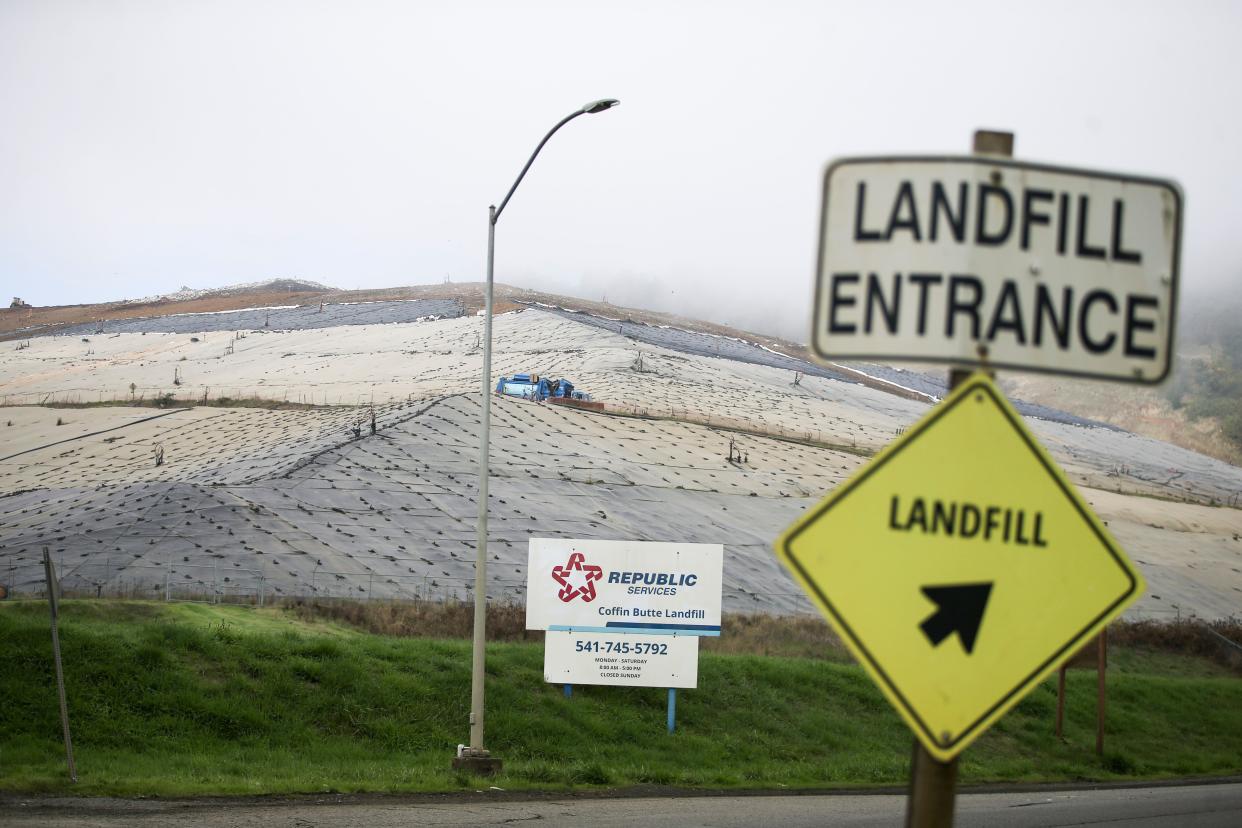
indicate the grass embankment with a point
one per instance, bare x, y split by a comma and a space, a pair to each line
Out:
195, 699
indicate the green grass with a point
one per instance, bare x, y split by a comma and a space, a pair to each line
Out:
193, 699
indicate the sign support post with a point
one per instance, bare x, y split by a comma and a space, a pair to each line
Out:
933, 790
933, 784
53, 602
1100, 666
1101, 675
1060, 728
672, 709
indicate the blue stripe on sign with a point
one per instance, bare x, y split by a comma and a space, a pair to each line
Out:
639, 625
650, 629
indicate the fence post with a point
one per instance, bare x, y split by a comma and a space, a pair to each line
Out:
53, 603
1101, 665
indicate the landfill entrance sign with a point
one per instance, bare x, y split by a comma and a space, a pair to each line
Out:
990, 261
960, 566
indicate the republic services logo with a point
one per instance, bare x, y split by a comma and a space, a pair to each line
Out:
577, 579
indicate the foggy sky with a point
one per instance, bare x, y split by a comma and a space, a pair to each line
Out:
149, 145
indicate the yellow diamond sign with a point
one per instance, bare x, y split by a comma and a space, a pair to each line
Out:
960, 566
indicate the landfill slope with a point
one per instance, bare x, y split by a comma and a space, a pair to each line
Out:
206, 501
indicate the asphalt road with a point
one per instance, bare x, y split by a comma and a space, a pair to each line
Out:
1197, 806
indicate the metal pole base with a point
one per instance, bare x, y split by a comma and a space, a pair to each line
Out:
933, 786
477, 762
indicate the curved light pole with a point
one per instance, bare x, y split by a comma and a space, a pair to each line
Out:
476, 757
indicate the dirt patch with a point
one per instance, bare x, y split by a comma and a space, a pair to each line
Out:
24, 322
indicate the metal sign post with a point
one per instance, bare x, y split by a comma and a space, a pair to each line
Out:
933, 784
53, 602
1093, 655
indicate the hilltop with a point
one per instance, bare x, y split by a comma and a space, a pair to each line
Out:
1187, 411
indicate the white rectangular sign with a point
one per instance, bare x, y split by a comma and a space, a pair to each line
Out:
627, 660
623, 587
999, 263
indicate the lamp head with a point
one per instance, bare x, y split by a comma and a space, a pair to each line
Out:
600, 105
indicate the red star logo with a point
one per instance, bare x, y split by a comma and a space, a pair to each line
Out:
577, 579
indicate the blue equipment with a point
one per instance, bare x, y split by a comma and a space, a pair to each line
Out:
535, 387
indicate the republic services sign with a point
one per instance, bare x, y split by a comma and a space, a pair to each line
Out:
622, 587
998, 263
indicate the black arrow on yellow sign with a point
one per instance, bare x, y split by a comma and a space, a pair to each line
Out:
959, 609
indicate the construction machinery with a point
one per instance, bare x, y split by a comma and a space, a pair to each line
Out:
536, 387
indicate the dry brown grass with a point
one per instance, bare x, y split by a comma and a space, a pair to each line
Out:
756, 634
49, 319
801, 636
796, 636
171, 401
416, 619
1184, 637
739, 426
752, 633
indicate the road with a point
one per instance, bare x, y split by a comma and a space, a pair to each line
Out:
1197, 806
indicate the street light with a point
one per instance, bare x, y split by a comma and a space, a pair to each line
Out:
475, 757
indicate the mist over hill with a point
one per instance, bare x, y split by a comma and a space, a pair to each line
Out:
1207, 382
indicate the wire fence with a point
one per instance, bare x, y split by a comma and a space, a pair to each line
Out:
262, 578
415, 604
221, 581
744, 425
225, 581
